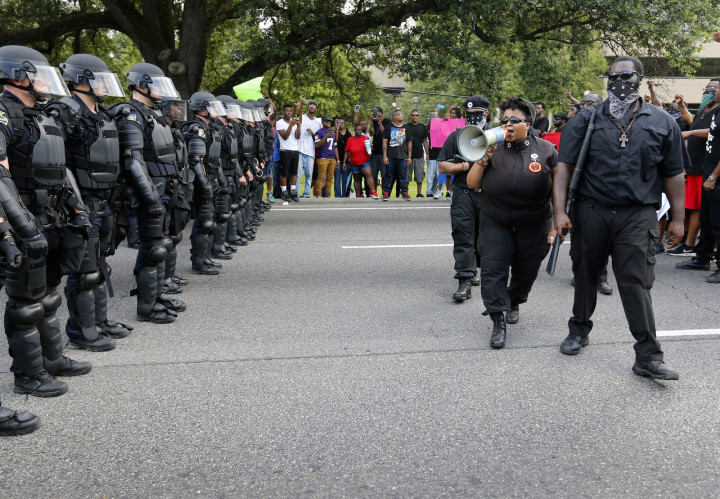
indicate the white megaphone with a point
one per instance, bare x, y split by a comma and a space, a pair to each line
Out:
473, 142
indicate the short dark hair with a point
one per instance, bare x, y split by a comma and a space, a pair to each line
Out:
577, 107
287, 106
637, 65
715, 79
519, 104
379, 109
542, 104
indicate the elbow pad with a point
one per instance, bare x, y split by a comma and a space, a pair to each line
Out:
196, 147
3, 147
21, 220
130, 137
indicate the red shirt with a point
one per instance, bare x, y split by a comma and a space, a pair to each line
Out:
356, 147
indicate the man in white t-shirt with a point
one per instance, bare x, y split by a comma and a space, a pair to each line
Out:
306, 145
288, 130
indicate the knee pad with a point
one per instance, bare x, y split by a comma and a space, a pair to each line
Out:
223, 217
234, 207
51, 303
176, 239
157, 254
90, 280
243, 202
207, 227
28, 315
167, 242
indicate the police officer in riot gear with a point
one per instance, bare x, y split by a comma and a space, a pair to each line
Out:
175, 112
54, 244
94, 158
146, 144
247, 142
231, 167
204, 142
465, 209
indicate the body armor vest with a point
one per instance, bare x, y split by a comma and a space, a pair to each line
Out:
229, 153
181, 154
37, 157
213, 141
94, 150
159, 148
247, 141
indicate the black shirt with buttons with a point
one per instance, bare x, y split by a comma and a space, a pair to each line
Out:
631, 175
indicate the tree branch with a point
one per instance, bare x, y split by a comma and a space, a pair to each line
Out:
67, 24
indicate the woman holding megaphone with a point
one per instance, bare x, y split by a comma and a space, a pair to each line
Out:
515, 214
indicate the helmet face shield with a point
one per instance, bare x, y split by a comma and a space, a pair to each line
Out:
216, 108
247, 114
258, 115
106, 84
163, 86
233, 111
175, 109
48, 80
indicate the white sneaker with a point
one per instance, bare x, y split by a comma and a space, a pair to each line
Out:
437, 194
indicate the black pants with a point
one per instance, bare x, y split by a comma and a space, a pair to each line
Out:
709, 227
629, 234
465, 220
501, 248
289, 163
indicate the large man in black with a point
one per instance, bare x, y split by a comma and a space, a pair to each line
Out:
465, 208
635, 152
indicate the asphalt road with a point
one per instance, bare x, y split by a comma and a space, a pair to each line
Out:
312, 369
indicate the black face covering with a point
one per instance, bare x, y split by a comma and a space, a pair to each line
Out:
475, 118
622, 95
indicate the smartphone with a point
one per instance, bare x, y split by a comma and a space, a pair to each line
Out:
357, 108
440, 106
296, 116
375, 112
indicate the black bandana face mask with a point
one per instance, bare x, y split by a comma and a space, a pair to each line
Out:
622, 95
475, 118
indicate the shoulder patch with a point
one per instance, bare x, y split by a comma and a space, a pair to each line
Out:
3, 118
201, 132
133, 117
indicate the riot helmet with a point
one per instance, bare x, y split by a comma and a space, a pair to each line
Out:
17, 62
247, 114
265, 104
232, 108
205, 101
174, 109
148, 76
86, 68
255, 108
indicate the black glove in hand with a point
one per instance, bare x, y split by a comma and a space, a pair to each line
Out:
13, 255
155, 210
223, 190
35, 246
207, 192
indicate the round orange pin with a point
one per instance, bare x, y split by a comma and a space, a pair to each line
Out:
535, 167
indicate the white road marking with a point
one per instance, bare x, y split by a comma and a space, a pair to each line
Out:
399, 246
690, 332
369, 208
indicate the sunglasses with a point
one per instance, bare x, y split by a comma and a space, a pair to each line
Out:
625, 75
513, 121
414, 115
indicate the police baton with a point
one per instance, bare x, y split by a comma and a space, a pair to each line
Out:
574, 180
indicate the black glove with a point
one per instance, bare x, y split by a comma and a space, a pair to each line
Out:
13, 255
155, 210
207, 192
35, 246
223, 190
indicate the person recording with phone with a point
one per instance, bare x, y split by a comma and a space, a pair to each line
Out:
289, 153
515, 215
379, 124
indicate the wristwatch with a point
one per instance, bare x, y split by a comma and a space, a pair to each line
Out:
711, 178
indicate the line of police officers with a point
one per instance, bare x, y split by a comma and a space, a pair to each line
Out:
70, 171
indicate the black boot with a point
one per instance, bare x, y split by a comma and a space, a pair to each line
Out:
27, 354
148, 309
464, 291
200, 261
113, 329
171, 303
218, 246
17, 423
81, 329
512, 316
497, 339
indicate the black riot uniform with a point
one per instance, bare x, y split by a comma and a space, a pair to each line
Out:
230, 160
204, 143
614, 213
149, 166
246, 141
33, 141
178, 211
465, 208
93, 152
